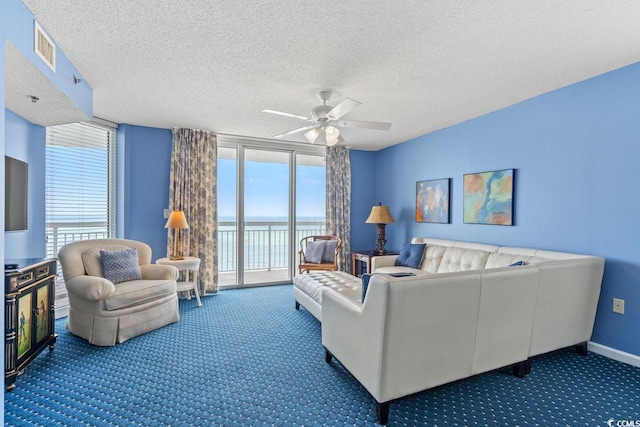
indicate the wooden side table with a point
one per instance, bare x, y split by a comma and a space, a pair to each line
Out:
190, 265
361, 261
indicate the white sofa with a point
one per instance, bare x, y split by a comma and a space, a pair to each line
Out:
464, 312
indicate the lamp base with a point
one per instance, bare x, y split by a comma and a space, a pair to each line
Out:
380, 250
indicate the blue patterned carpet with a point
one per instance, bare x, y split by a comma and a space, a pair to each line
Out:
246, 357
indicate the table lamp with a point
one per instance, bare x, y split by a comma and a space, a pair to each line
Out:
380, 216
177, 221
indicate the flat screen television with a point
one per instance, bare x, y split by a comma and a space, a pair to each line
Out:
16, 183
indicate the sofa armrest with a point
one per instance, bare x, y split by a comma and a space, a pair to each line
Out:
159, 272
91, 288
354, 332
383, 261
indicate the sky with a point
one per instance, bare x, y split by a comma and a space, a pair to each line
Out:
267, 190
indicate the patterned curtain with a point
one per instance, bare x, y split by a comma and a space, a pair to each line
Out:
193, 190
339, 201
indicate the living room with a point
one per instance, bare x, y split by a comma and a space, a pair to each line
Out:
573, 149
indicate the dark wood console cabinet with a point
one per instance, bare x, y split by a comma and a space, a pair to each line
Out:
29, 317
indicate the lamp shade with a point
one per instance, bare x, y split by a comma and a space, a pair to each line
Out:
380, 215
177, 220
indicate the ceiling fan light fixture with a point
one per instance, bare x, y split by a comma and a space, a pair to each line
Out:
331, 142
312, 135
331, 134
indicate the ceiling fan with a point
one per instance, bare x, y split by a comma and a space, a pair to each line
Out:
326, 121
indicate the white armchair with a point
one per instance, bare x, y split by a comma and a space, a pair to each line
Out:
105, 313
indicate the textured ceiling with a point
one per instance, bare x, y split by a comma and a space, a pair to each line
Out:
422, 65
24, 80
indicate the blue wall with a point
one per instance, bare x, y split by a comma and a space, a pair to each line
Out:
26, 142
146, 183
17, 21
575, 151
363, 197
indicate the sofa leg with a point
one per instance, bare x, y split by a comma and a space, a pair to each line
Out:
382, 412
527, 367
327, 356
519, 369
297, 305
581, 349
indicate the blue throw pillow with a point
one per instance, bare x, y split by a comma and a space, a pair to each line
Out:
329, 254
120, 266
517, 263
365, 284
314, 252
411, 255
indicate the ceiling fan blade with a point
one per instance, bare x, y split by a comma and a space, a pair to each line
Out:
295, 131
363, 125
345, 107
282, 113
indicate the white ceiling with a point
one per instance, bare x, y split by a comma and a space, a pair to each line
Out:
422, 65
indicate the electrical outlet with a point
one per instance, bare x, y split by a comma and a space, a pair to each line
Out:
618, 305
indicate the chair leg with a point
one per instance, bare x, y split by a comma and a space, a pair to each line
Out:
582, 349
327, 356
382, 412
297, 305
519, 369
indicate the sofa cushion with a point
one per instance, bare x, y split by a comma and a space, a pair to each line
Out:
314, 282
138, 292
91, 258
462, 259
120, 266
432, 258
411, 255
315, 251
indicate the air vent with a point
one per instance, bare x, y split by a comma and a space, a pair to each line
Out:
44, 47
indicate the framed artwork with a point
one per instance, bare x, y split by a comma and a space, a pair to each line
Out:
24, 324
42, 314
432, 201
488, 197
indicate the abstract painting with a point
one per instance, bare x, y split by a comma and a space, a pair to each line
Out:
488, 197
432, 201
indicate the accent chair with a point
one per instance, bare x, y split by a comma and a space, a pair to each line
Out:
106, 311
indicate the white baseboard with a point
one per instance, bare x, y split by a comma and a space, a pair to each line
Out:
62, 312
612, 353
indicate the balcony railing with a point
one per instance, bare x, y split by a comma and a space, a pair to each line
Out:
266, 243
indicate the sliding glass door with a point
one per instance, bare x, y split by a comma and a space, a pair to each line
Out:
268, 198
266, 216
227, 216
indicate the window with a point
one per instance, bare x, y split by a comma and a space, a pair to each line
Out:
269, 197
80, 188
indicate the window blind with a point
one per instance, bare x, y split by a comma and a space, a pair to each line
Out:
79, 191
